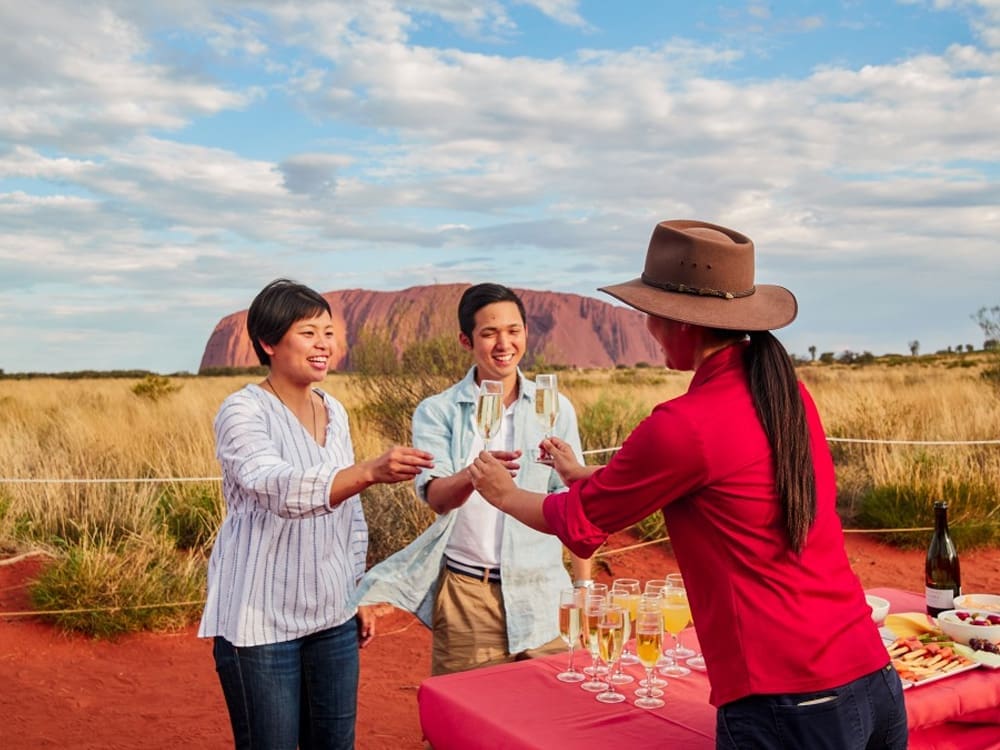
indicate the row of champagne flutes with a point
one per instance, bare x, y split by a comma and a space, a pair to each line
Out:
489, 409
604, 620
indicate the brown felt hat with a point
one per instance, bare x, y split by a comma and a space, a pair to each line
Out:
703, 274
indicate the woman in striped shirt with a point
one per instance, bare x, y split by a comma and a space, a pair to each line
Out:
293, 543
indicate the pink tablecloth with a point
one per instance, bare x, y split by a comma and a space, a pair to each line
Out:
523, 707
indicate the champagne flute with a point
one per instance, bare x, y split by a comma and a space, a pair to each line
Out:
625, 594
489, 410
611, 636
597, 590
676, 616
546, 410
697, 662
570, 606
680, 651
648, 641
593, 608
650, 603
656, 587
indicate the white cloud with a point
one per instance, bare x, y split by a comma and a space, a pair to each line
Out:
79, 75
139, 153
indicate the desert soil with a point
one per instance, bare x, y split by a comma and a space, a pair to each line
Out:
159, 690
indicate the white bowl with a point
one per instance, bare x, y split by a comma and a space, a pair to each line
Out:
962, 631
880, 607
978, 603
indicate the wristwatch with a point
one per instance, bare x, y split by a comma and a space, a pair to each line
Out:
583, 583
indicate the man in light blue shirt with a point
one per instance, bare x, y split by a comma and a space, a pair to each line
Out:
487, 585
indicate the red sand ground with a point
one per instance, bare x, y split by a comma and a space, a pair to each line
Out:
159, 690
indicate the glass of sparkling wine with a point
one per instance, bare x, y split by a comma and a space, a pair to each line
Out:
680, 651
593, 608
611, 636
625, 594
489, 410
652, 603
648, 642
676, 616
656, 587
570, 607
599, 590
546, 408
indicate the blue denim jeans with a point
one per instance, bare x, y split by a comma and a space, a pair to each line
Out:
867, 714
301, 693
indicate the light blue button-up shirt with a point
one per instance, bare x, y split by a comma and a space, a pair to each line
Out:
531, 570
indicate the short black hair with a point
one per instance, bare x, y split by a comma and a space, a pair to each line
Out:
479, 296
275, 308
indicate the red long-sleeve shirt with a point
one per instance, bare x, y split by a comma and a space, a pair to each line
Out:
768, 620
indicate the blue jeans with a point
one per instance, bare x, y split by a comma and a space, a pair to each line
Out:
301, 693
867, 714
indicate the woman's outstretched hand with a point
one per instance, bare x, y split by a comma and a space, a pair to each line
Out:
564, 460
491, 478
399, 463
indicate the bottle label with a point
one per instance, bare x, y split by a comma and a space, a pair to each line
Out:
940, 598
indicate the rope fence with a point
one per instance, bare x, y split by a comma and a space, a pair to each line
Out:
592, 452
596, 451
860, 441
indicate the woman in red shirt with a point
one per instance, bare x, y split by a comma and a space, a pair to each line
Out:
740, 467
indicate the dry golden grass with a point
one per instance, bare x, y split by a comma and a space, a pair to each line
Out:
100, 429
893, 485
880, 485
107, 429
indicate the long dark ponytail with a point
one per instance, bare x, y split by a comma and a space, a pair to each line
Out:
779, 405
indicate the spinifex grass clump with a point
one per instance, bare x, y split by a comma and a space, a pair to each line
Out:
106, 590
605, 423
191, 513
395, 518
155, 387
973, 512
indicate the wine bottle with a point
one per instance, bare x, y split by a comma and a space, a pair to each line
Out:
943, 580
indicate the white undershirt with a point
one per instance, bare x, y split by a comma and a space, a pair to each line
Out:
476, 537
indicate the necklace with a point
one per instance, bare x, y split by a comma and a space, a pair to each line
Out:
312, 405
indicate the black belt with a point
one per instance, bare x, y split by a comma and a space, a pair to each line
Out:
486, 575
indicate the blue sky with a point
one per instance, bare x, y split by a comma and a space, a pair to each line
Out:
161, 162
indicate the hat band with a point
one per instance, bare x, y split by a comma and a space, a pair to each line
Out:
670, 286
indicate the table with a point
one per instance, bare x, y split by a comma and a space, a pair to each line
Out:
521, 706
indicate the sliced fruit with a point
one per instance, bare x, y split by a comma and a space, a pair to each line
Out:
984, 657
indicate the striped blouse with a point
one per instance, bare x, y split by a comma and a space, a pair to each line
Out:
284, 564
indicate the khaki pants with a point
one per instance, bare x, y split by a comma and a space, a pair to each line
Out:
470, 626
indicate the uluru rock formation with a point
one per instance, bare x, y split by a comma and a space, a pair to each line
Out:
566, 329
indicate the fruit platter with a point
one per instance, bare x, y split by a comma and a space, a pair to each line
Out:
924, 650
922, 659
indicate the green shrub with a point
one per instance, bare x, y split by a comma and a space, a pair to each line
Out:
608, 421
395, 518
636, 377
605, 424
191, 513
106, 590
391, 391
973, 513
652, 527
155, 387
